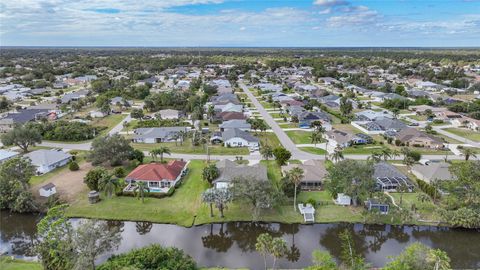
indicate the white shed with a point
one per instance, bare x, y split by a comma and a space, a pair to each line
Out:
47, 190
343, 199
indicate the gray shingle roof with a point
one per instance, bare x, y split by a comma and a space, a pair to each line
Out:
230, 170
159, 132
235, 132
383, 169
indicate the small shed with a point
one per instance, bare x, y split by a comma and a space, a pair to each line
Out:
308, 212
47, 190
373, 204
343, 199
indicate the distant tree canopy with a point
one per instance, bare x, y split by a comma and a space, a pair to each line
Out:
66, 130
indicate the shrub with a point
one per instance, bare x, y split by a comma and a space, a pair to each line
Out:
151, 257
119, 172
93, 176
312, 202
73, 166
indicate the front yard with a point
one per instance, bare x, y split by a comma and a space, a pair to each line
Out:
466, 133
313, 150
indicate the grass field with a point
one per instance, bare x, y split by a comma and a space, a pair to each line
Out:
109, 122
15, 264
466, 133
287, 125
313, 150
299, 137
188, 148
269, 138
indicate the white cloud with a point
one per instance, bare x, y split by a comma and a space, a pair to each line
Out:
354, 17
330, 3
325, 11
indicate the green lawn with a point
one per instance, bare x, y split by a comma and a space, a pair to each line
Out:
180, 208
277, 115
287, 125
418, 117
313, 150
109, 122
266, 105
299, 137
188, 148
269, 138
447, 139
361, 149
466, 133
427, 210
16, 264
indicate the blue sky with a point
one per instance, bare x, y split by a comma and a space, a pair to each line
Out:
278, 23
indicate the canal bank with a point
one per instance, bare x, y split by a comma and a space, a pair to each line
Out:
232, 244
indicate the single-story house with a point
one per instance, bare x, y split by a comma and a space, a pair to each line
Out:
169, 114
314, 172
433, 171
229, 170
235, 123
73, 96
225, 116
21, 117
6, 155
159, 177
369, 115
119, 100
47, 190
389, 178
306, 118
384, 124
414, 137
373, 204
340, 138
47, 160
238, 138
158, 134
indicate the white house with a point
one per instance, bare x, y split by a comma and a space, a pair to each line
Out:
169, 114
238, 138
47, 190
47, 160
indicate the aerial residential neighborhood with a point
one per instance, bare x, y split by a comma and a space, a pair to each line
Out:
212, 135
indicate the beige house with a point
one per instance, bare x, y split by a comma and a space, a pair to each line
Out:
414, 137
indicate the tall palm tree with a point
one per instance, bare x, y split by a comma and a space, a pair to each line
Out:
109, 184
375, 157
160, 152
316, 137
182, 135
386, 153
468, 152
141, 190
337, 155
295, 175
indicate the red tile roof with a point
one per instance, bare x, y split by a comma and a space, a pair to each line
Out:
157, 172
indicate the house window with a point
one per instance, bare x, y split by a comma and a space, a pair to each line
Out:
165, 184
153, 184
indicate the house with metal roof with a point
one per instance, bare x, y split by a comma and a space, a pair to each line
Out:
47, 160
6, 155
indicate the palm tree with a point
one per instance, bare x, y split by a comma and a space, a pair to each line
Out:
182, 134
140, 190
126, 125
375, 157
316, 137
468, 152
154, 154
395, 153
160, 152
386, 153
208, 196
109, 184
337, 155
295, 175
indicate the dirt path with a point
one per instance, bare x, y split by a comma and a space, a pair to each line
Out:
68, 184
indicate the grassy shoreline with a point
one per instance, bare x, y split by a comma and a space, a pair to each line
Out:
185, 208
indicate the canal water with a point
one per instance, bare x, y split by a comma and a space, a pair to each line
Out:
233, 244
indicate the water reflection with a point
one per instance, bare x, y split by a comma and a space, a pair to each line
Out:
233, 244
